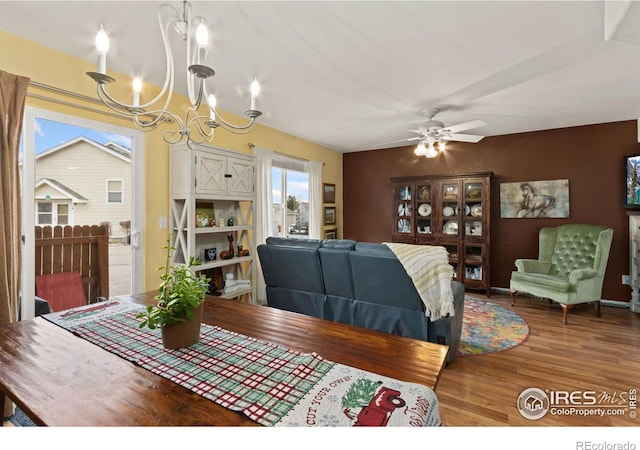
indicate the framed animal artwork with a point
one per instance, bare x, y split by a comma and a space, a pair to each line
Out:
535, 199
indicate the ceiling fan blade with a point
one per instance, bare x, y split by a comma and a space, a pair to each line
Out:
417, 138
465, 126
419, 131
464, 138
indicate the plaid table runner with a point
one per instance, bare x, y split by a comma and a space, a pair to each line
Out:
272, 385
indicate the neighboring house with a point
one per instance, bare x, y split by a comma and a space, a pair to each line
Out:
82, 182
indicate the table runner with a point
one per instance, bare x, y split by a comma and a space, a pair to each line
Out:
271, 384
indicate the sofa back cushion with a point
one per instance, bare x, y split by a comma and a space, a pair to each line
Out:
292, 264
336, 267
378, 277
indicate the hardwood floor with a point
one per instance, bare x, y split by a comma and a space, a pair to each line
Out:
590, 353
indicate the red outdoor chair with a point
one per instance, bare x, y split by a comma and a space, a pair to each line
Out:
62, 290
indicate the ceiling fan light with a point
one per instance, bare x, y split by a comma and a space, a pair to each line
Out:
420, 149
431, 151
442, 145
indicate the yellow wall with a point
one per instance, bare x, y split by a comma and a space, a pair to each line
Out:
53, 68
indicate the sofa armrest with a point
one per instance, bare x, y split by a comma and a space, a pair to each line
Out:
533, 266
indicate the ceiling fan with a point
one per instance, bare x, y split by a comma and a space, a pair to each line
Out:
434, 132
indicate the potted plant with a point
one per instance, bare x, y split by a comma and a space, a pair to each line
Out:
178, 312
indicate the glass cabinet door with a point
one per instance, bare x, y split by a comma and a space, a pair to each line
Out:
449, 208
473, 209
404, 209
424, 207
474, 258
453, 250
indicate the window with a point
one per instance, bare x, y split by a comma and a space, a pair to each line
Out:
45, 213
63, 213
52, 213
114, 191
290, 190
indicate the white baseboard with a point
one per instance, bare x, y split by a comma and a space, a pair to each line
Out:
500, 290
614, 303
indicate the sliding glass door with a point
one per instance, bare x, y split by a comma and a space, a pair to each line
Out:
79, 176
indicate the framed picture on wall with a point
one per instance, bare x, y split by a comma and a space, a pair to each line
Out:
329, 195
632, 182
329, 215
331, 233
535, 199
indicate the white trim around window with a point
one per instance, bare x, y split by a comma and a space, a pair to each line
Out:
53, 212
114, 192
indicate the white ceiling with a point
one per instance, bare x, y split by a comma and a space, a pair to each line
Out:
354, 75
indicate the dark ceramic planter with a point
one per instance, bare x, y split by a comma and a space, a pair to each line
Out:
183, 334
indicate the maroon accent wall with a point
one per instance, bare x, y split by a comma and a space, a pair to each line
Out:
590, 157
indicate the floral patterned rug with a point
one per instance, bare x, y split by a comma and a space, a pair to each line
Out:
489, 328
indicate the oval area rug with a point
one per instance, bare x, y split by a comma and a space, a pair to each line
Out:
489, 328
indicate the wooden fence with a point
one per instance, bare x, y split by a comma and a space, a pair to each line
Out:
82, 248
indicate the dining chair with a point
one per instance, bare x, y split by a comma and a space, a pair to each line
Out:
61, 290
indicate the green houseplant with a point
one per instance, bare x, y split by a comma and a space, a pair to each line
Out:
178, 312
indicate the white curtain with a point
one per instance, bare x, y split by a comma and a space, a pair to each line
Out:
264, 201
315, 199
264, 212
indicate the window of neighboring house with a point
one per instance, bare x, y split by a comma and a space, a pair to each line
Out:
51, 213
45, 213
115, 191
290, 188
62, 210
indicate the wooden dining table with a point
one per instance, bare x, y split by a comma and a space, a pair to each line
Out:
60, 379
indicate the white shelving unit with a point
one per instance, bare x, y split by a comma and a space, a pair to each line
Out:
206, 181
634, 263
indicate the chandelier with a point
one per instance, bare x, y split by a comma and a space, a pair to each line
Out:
193, 128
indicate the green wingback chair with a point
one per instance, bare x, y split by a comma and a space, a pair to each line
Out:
570, 267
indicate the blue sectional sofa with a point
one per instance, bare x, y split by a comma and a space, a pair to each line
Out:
357, 283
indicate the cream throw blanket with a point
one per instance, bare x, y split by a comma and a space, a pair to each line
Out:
428, 266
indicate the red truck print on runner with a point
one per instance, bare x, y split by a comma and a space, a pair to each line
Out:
377, 403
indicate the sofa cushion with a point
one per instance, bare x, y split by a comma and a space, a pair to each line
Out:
339, 244
336, 267
378, 277
292, 267
290, 242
